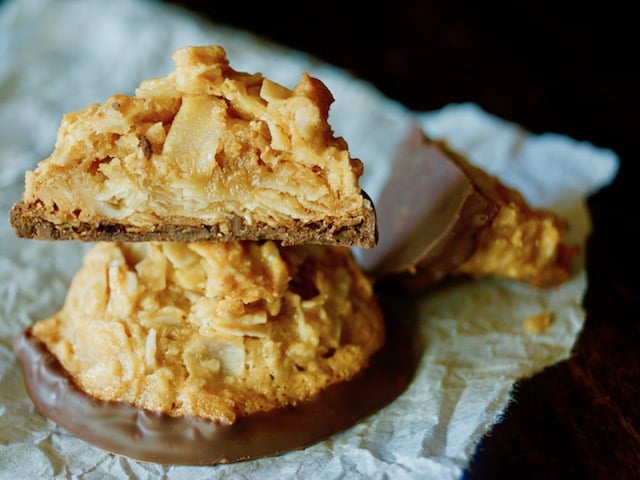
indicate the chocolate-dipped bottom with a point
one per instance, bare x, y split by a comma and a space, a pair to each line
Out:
149, 436
429, 214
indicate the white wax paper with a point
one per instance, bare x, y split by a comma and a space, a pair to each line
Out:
59, 56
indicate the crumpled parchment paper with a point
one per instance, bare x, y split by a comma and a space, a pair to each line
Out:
59, 56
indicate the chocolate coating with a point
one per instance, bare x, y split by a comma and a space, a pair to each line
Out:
27, 222
155, 437
428, 214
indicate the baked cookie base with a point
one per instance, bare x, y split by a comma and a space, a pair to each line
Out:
27, 223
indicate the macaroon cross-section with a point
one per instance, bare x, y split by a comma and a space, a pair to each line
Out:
205, 153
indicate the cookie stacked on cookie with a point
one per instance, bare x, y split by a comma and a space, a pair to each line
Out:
221, 297
220, 314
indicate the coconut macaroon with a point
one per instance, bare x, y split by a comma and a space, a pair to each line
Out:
223, 316
214, 330
441, 217
205, 153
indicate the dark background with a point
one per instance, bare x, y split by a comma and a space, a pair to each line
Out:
572, 70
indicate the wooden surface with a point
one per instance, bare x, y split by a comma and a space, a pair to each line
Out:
550, 68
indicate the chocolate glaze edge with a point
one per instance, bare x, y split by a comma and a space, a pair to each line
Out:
27, 222
429, 214
143, 435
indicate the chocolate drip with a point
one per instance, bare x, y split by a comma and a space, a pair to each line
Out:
155, 437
